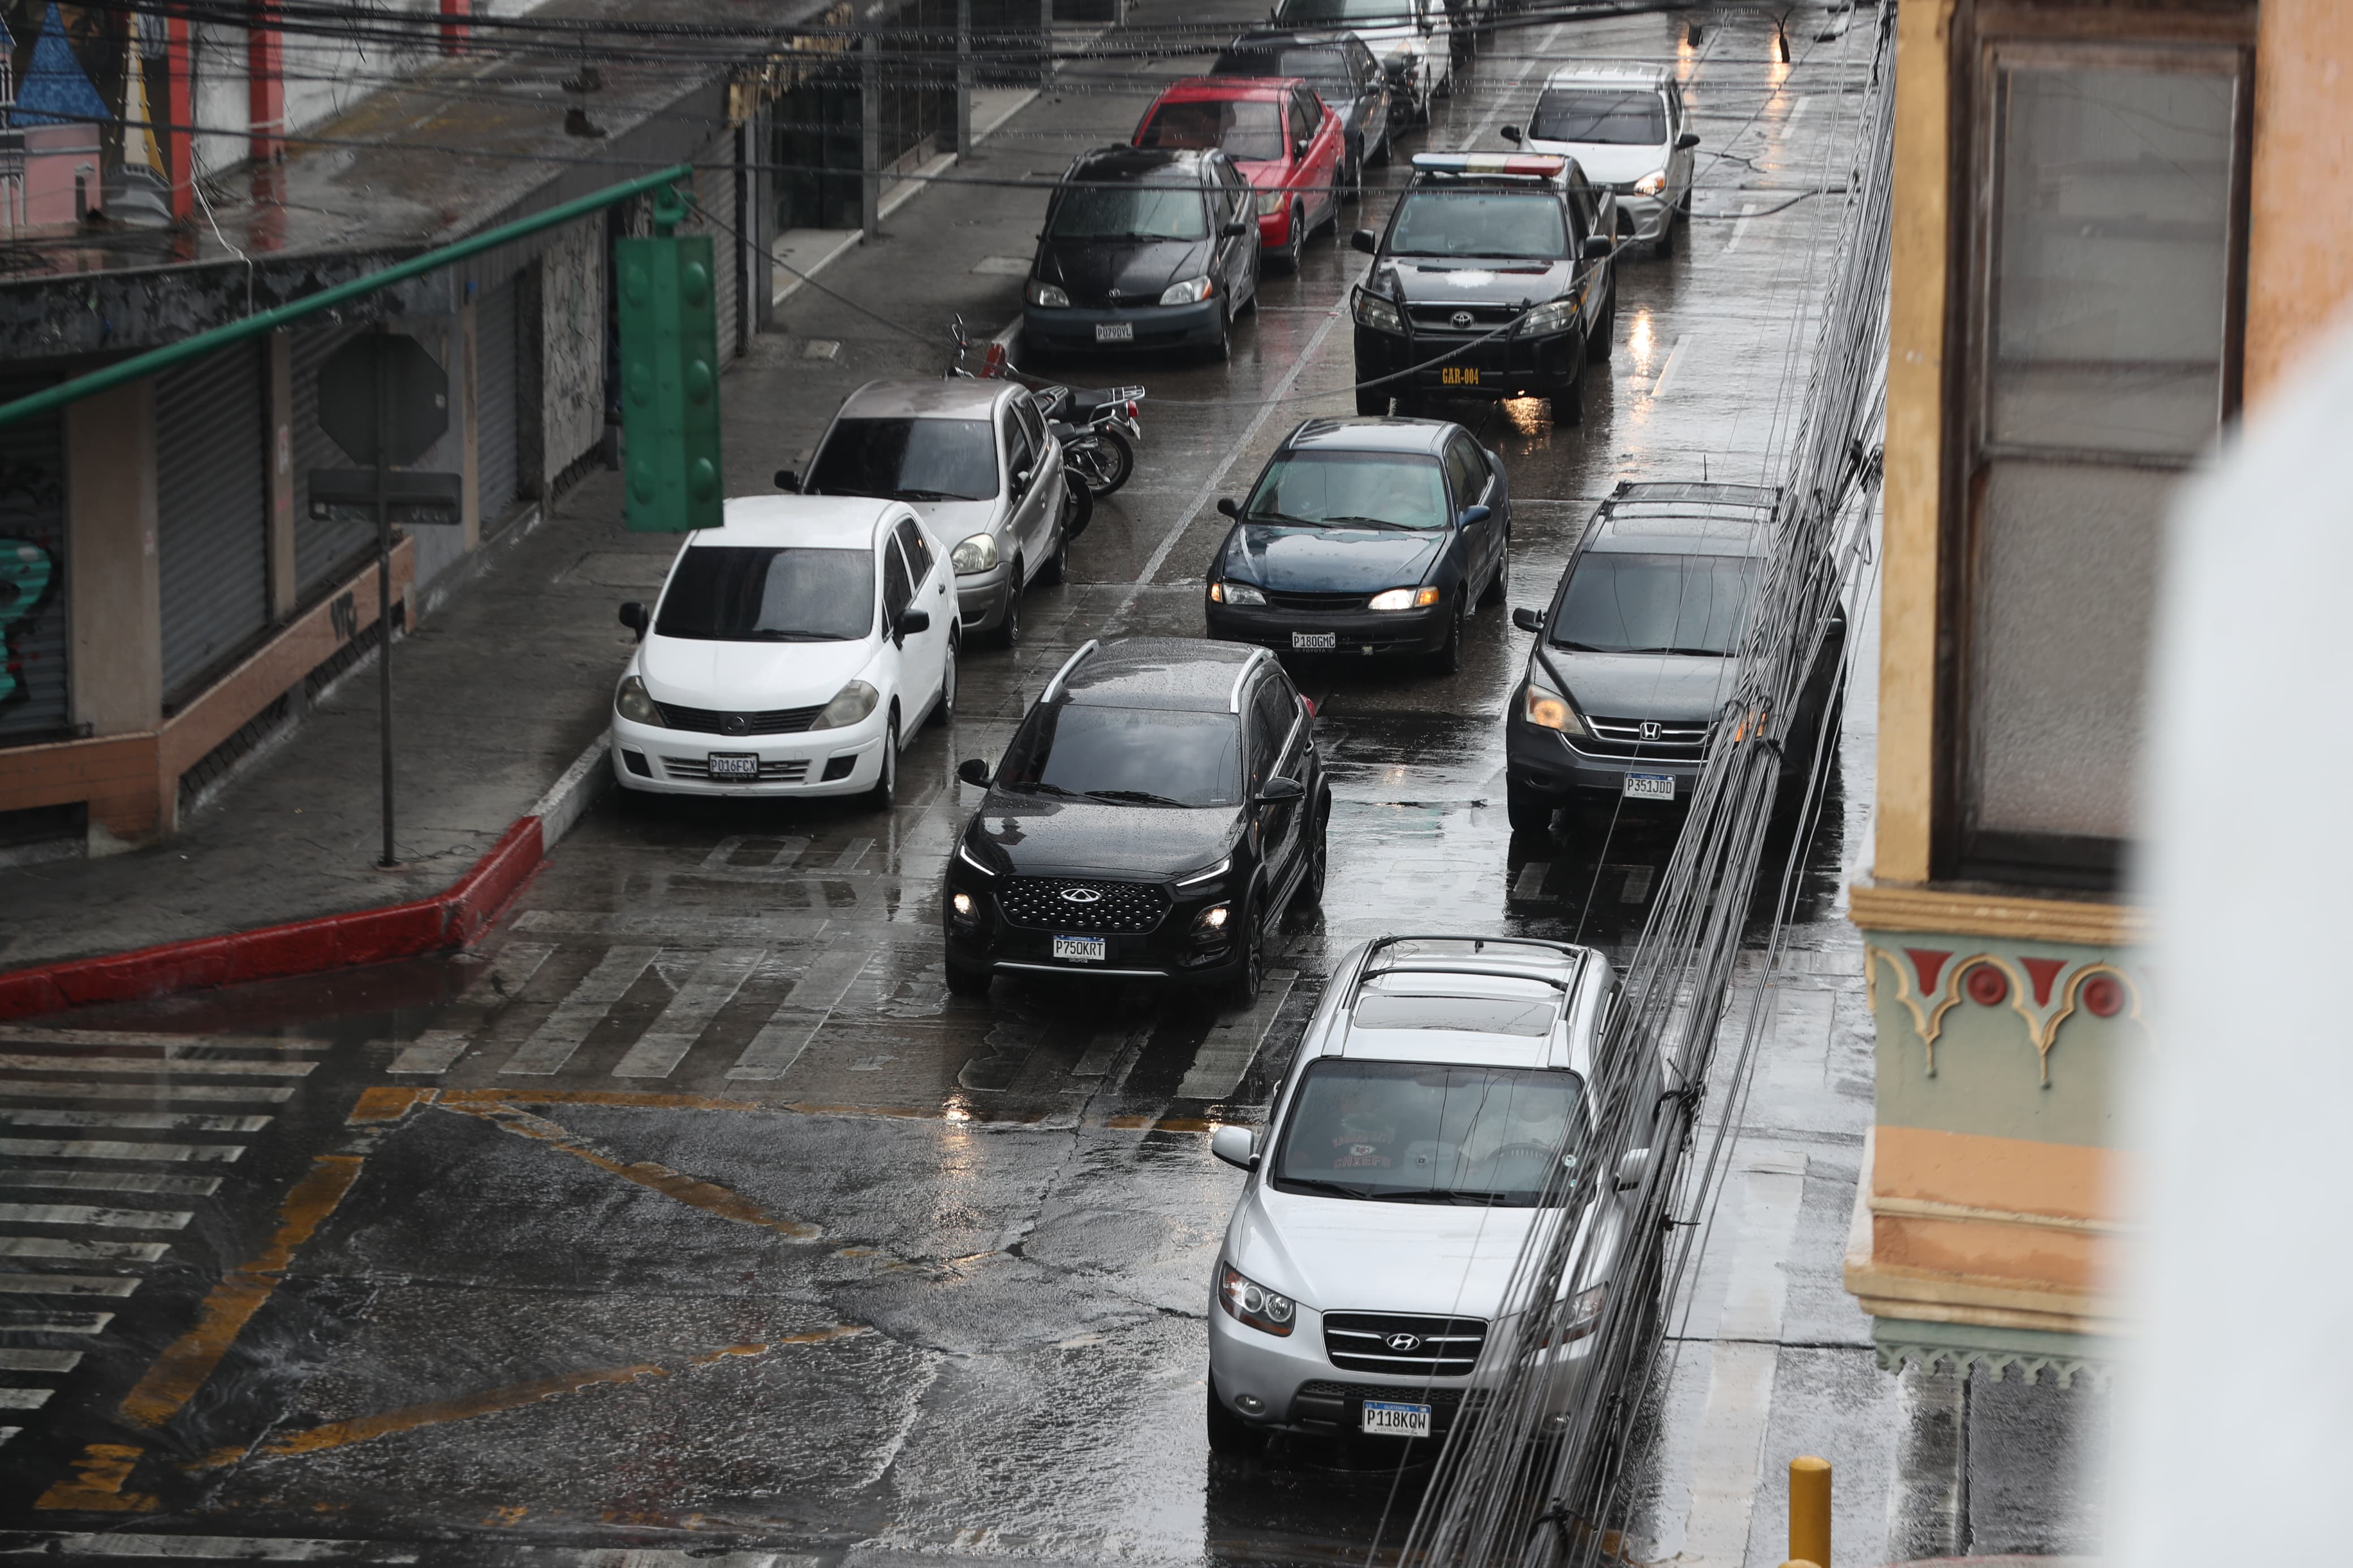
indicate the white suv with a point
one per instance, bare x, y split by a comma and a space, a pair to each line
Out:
1361, 1287
1627, 128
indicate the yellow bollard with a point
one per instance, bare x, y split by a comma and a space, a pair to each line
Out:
1809, 1511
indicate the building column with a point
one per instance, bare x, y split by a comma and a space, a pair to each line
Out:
180, 111
453, 25
277, 369
869, 134
761, 306
470, 460
265, 82
963, 80
116, 673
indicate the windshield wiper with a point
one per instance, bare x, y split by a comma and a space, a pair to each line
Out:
1042, 787
796, 636
1443, 1195
1139, 796
929, 495
1338, 1189
1370, 522
1696, 652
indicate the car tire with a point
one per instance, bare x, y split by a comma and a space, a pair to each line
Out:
1009, 630
1056, 568
966, 981
1221, 347
1310, 895
1449, 657
884, 796
1243, 987
943, 710
1294, 250
1665, 245
1352, 186
1500, 585
1569, 402
1603, 343
1527, 811
1228, 1433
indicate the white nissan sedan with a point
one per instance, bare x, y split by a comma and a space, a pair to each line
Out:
791, 652
1362, 1290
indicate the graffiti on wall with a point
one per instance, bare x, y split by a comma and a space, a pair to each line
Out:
26, 572
572, 334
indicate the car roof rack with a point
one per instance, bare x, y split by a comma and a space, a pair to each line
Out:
1054, 687
1258, 656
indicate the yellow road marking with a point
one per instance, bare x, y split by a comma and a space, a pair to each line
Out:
490, 1401
103, 1468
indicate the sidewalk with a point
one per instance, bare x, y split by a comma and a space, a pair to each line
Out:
503, 686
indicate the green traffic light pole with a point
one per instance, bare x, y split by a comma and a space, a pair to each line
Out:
157, 360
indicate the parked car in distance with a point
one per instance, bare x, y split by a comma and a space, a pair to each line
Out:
1286, 141
1413, 39
1365, 536
1625, 127
1428, 1127
1634, 657
792, 651
978, 463
1142, 249
1493, 280
1343, 74
1161, 805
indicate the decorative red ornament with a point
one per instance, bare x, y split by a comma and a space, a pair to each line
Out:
2103, 997
1986, 985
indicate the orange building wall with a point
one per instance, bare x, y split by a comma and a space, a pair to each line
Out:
2300, 205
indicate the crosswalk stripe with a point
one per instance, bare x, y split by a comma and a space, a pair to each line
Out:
435, 1050
171, 1045
1226, 1052
8, 1431
81, 1252
68, 1284
101, 1149
509, 969
111, 1181
677, 925
711, 986
136, 1121
82, 1089
24, 1398
553, 1043
90, 1214
795, 1022
55, 1322
13, 1359
155, 1065
295, 1549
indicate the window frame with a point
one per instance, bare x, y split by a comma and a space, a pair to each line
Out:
1985, 37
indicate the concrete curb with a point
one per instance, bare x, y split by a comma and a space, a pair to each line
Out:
455, 917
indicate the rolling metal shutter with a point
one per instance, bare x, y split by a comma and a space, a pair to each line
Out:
714, 191
33, 633
495, 425
323, 551
212, 513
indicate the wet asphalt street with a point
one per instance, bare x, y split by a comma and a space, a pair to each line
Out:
690, 1211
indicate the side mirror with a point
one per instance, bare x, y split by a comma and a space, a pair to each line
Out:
1299, 148
1475, 515
1234, 230
1687, 141
973, 771
1228, 506
787, 480
1237, 1146
1279, 788
914, 621
634, 616
1528, 620
1598, 247
1512, 134
1021, 481
1365, 240
1632, 1166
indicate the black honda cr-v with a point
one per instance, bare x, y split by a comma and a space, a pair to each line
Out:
1161, 805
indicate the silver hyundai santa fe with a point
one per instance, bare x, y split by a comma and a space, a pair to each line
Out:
1361, 1287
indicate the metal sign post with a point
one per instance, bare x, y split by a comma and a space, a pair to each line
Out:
384, 400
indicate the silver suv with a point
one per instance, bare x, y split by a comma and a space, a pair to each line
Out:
1408, 1158
977, 459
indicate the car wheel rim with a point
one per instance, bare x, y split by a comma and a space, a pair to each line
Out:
947, 684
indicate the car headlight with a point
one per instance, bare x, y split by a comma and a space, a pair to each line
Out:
1404, 599
963, 902
1372, 311
1235, 593
965, 853
977, 553
1045, 295
631, 703
1550, 709
1213, 919
1584, 1316
1192, 291
854, 702
1556, 316
1269, 203
1207, 873
1254, 1304
1651, 184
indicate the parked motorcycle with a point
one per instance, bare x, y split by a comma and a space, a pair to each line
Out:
1096, 425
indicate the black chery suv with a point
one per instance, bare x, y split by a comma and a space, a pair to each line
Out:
1161, 805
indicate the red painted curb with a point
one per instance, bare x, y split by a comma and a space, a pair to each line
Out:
453, 917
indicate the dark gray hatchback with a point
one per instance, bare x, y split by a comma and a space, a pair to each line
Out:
1634, 658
